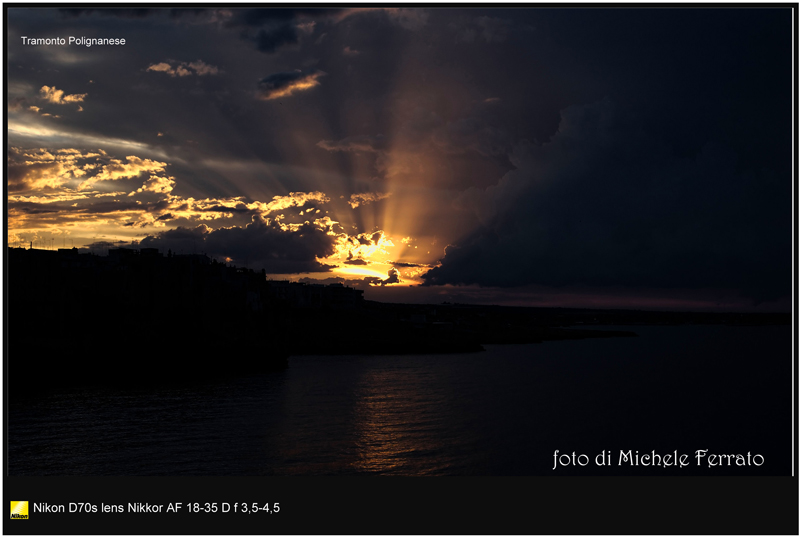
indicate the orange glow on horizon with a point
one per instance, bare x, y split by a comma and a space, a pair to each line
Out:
351, 270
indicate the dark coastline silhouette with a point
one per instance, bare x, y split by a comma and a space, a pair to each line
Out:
138, 316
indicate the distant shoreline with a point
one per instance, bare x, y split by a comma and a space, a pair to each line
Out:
142, 318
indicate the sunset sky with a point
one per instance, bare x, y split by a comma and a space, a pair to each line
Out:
558, 157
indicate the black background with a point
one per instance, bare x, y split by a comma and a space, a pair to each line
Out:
504, 505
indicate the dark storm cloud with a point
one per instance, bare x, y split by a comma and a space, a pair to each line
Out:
270, 40
483, 28
269, 29
284, 84
18, 178
393, 276
604, 203
259, 244
408, 265
101, 207
473, 134
16, 103
31, 208
259, 17
137, 13
272, 29
241, 208
140, 13
109, 207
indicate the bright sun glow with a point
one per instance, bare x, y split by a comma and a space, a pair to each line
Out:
350, 270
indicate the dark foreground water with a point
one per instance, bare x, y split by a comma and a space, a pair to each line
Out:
500, 412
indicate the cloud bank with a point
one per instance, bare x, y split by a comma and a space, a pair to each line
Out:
606, 204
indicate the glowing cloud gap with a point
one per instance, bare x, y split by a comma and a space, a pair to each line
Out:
284, 84
57, 96
294, 199
199, 67
116, 169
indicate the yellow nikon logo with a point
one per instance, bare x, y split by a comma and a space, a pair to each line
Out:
19, 510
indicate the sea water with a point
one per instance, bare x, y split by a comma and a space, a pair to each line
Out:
504, 411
